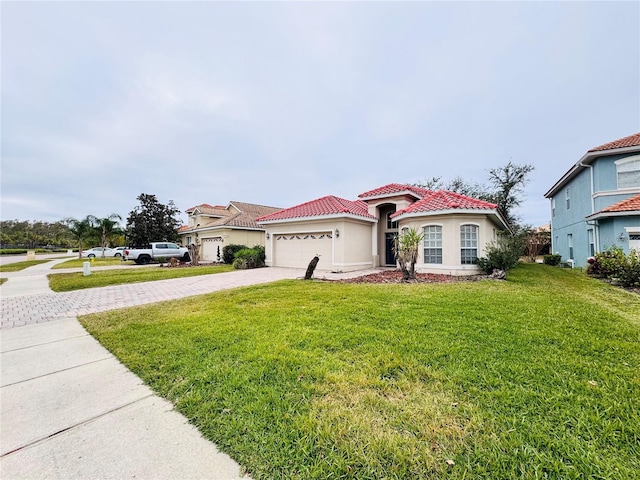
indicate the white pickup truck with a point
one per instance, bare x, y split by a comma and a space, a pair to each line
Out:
156, 251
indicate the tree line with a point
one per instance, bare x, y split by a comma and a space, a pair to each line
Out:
148, 222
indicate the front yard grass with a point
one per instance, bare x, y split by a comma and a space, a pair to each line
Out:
534, 377
97, 262
65, 282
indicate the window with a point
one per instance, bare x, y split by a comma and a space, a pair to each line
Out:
568, 199
592, 245
433, 244
468, 244
570, 243
628, 171
553, 207
188, 240
391, 225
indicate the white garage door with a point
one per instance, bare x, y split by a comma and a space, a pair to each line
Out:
298, 249
210, 249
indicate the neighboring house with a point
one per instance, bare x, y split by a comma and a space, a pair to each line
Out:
213, 227
596, 204
359, 234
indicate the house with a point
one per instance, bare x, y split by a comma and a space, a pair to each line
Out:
596, 204
213, 227
359, 234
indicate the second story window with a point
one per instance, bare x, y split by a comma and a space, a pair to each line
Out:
628, 172
568, 199
553, 207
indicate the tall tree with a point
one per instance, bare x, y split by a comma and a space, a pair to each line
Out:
108, 227
505, 189
151, 221
81, 229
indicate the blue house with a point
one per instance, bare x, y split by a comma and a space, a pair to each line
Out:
596, 204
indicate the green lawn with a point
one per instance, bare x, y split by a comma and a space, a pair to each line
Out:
16, 267
97, 262
64, 282
535, 377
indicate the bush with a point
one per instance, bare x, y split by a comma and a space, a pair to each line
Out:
249, 258
614, 264
502, 254
553, 259
229, 252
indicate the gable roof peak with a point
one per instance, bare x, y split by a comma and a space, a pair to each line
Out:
394, 189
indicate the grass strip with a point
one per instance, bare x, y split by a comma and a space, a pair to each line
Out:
535, 377
95, 262
65, 282
16, 267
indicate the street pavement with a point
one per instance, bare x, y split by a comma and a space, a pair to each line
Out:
69, 409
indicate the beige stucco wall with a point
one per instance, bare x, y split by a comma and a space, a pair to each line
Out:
351, 248
229, 236
451, 265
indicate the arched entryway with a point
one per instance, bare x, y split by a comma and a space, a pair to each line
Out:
387, 230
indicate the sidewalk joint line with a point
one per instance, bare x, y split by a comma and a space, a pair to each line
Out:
59, 371
83, 422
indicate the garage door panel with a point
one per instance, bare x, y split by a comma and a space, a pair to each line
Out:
298, 249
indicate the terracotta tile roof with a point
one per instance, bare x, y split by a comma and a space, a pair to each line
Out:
629, 205
630, 141
445, 200
183, 228
393, 188
207, 209
328, 205
253, 209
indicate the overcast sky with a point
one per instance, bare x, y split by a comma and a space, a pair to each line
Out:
281, 103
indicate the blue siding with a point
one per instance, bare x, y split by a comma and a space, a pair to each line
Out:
572, 221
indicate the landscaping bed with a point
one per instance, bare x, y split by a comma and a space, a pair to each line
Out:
395, 276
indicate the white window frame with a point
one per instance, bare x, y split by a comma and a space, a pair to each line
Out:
568, 196
622, 167
464, 247
429, 245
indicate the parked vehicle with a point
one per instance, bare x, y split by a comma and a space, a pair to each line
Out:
96, 252
156, 251
119, 251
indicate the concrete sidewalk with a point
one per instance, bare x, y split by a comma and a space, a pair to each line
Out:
69, 409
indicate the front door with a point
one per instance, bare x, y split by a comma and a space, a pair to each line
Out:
389, 240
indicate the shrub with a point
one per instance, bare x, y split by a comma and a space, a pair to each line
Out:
229, 252
613, 263
502, 254
552, 259
249, 258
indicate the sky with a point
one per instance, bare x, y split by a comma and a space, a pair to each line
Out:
279, 103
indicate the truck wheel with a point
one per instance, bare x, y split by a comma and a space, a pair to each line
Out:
186, 258
144, 260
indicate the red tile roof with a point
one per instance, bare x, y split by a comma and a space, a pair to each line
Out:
630, 141
629, 205
446, 200
328, 205
393, 188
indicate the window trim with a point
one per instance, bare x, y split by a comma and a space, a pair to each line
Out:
477, 243
622, 162
424, 245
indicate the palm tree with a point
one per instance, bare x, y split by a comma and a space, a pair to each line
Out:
81, 229
107, 227
406, 248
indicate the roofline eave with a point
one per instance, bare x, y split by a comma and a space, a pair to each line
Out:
587, 159
317, 218
599, 215
456, 211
